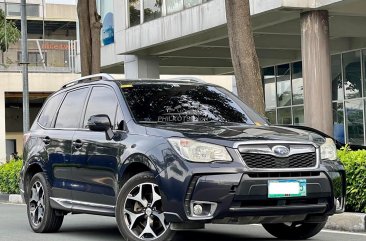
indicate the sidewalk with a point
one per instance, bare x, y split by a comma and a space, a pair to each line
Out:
350, 222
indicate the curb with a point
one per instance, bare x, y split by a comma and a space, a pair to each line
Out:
11, 198
4, 197
350, 222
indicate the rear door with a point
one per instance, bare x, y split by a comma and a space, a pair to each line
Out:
45, 145
96, 158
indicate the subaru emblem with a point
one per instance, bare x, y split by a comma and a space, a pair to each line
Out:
280, 150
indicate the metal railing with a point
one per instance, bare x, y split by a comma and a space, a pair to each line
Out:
47, 55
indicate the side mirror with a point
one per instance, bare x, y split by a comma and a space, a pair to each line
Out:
101, 123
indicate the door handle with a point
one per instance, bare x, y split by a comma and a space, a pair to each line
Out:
47, 140
77, 144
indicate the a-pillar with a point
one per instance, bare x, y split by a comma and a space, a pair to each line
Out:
140, 67
317, 70
2, 128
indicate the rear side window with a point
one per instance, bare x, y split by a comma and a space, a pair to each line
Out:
70, 111
102, 101
45, 119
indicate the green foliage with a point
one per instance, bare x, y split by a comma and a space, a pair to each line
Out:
355, 165
9, 33
9, 177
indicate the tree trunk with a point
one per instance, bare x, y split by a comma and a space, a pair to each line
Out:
243, 53
90, 27
95, 28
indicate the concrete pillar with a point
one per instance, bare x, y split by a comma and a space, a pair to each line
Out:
140, 67
2, 128
317, 70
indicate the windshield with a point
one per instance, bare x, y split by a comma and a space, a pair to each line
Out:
184, 103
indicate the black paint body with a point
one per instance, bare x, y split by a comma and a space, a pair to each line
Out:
84, 168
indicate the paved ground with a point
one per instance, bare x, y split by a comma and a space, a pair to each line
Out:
14, 226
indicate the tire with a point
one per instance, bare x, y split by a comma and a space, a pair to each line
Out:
42, 218
294, 231
139, 203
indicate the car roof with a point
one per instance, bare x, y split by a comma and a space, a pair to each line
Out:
108, 80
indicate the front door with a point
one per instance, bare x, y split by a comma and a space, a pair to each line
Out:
95, 158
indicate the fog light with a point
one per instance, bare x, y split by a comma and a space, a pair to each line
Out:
202, 210
197, 209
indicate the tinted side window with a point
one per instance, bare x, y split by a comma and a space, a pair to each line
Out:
70, 111
102, 101
49, 110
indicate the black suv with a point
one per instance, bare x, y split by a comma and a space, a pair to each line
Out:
166, 155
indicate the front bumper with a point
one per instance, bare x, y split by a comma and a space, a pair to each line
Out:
243, 198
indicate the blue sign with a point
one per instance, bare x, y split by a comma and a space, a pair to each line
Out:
108, 29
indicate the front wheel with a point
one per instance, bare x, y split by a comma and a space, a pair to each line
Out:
139, 211
294, 230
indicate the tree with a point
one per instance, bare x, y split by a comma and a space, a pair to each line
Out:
244, 56
90, 45
9, 33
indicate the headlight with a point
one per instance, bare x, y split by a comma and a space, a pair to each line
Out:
328, 150
196, 151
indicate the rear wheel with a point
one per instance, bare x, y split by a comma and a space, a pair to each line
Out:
294, 230
139, 211
41, 216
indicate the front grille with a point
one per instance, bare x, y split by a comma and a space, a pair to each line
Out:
282, 174
265, 161
281, 202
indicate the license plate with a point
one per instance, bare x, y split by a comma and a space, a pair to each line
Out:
286, 188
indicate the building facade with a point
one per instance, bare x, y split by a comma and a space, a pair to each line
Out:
312, 53
51, 50
153, 38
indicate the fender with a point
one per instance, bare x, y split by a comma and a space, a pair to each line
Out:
136, 158
34, 164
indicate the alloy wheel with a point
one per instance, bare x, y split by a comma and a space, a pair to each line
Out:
36, 203
143, 213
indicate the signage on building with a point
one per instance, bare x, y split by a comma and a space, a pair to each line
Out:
55, 46
106, 11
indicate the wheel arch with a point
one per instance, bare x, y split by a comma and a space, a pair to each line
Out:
133, 165
32, 168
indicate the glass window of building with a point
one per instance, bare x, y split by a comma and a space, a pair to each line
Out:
191, 3
173, 6
271, 116
298, 113
338, 120
152, 9
269, 87
337, 83
283, 85
135, 12
352, 74
284, 116
33, 10
297, 84
355, 121
13, 9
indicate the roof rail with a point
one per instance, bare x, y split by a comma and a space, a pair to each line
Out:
190, 79
94, 77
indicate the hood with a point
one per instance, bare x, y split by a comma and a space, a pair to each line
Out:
228, 133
